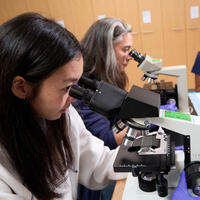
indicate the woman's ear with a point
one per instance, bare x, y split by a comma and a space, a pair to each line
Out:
20, 87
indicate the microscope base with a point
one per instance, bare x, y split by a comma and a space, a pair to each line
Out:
133, 192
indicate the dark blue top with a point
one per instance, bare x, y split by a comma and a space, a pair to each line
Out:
196, 66
97, 124
100, 127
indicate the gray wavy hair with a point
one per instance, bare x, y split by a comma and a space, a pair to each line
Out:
98, 52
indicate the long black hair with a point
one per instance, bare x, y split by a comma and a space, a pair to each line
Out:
33, 46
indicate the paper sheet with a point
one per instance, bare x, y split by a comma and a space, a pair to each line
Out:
146, 15
194, 12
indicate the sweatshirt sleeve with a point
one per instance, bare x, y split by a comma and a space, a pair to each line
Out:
97, 124
196, 66
95, 160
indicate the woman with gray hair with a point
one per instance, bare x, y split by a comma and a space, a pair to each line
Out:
106, 46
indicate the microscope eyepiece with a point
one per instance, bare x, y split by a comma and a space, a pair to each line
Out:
88, 83
80, 93
136, 56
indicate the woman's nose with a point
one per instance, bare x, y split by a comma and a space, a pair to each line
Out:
129, 57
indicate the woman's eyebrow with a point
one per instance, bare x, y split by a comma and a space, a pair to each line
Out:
70, 80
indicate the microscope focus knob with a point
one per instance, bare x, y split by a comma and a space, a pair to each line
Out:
193, 176
147, 182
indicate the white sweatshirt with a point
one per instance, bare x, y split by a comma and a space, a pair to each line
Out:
93, 165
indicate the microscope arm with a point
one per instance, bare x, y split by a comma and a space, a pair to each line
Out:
185, 124
181, 73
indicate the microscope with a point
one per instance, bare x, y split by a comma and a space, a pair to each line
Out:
149, 156
153, 67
